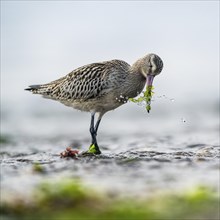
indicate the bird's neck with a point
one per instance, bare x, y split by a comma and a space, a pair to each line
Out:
134, 83
137, 67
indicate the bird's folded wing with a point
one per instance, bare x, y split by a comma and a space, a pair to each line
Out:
87, 82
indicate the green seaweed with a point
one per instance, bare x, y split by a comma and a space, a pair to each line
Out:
4, 139
38, 168
71, 199
92, 149
146, 97
67, 193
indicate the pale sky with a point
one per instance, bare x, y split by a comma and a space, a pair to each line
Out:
42, 41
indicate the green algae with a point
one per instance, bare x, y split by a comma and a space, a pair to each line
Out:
71, 199
5, 139
67, 193
38, 168
92, 149
146, 97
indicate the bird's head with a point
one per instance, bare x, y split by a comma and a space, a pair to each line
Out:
151, 66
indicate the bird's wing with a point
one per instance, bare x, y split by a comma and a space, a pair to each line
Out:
87, 82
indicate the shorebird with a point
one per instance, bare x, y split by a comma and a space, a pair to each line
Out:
100, 87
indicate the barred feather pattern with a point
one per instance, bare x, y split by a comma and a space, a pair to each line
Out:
86, 82
103, 86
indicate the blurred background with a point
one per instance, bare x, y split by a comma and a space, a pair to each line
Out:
42, 41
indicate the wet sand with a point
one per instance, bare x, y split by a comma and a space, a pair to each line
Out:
135, 160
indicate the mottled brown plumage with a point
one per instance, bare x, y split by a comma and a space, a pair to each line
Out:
101, 87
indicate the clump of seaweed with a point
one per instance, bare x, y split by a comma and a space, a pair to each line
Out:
146, 97
68, 193
38, 168
71, 199
4, 139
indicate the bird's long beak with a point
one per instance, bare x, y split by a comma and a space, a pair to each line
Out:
150, 79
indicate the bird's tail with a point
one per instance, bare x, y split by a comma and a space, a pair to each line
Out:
38, 89
33, 88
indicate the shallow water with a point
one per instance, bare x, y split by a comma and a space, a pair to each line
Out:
142, 153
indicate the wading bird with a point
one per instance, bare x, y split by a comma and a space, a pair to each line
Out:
101, 87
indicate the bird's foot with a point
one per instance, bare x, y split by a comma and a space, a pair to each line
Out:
93, 149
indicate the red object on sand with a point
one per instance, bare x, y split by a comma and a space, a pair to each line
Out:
69, 153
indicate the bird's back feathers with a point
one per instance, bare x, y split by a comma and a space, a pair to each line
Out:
85, 82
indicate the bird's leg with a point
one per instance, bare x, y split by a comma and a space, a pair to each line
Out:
93, 131
97, 124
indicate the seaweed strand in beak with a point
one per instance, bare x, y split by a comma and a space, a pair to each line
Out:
148, 93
